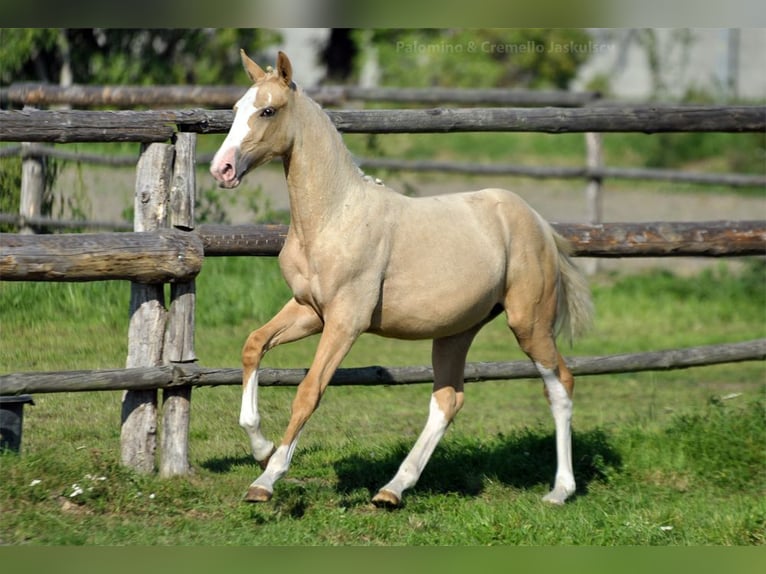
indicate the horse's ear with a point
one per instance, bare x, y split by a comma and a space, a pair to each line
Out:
253, 70
285, 69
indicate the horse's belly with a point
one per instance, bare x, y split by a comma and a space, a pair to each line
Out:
418, 311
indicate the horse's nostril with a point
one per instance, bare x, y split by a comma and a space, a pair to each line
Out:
227, 169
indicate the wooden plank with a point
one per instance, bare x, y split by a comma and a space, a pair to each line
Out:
184, 182
32, 186
564, 172
224, 240
594, 201
63, 126
77, 125
169, 376
666, 239
642, 119
651, 239
146, 330
144, 257
79, 96
177, 256
179, 336
36, 94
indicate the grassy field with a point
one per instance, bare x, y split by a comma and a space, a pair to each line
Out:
672, 458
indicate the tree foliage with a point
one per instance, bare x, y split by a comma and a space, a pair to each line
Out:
481, 58
128, 56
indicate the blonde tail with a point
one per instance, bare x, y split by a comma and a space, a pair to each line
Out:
575, 308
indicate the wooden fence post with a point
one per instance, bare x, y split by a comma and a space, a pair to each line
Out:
138, 440
594, 160
32, 186
179, 336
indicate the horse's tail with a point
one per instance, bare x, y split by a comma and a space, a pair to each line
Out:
575, 308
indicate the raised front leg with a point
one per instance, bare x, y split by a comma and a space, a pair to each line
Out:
335, 342
293, 322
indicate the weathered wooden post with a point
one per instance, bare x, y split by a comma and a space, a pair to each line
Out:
594, 160
179, 336
32, 186
146, 331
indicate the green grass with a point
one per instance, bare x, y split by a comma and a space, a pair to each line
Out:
666, 458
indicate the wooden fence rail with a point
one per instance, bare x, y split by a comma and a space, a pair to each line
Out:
157, 126
160, 256
651, 239
171, 255
192, 375
565, 172
562, 172
35, 94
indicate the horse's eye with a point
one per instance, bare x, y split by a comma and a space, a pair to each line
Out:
268, 112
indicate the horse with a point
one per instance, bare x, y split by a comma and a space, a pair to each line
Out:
360, 257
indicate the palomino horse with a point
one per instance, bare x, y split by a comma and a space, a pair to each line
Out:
360, 257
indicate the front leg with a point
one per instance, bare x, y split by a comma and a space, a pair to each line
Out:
293, 322
335, 342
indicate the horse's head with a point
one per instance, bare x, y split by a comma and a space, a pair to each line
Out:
260, 131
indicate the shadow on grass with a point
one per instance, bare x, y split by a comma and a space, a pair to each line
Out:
523, 460
461, 465
224, 464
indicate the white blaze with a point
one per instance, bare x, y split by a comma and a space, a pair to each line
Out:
245, 108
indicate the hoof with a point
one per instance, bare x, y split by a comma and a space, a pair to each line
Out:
265, 462
386, 499
556, 497
553, 500
257, 494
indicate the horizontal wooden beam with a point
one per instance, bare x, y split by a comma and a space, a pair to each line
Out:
172, 255
256, 240
642, 119
666, 239
185, 374
564, 172
159, 125
78, 96
148, 257
652, 239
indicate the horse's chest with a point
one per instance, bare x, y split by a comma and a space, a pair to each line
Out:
301, 277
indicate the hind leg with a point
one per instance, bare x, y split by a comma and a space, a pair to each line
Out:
559, 385
536, 339
448, 358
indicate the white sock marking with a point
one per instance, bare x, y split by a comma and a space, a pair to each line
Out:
250, 420
561, 408
412, 467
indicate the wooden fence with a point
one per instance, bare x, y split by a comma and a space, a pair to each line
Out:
594, 172
86, 96
161, 337
66, 126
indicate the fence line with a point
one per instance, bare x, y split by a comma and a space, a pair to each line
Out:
172, 255
563, 172
35, 94
191, 375
64, 126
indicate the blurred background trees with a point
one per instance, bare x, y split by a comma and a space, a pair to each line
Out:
470, 57
127, 56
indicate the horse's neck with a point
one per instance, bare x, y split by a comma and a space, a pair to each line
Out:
321, 175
